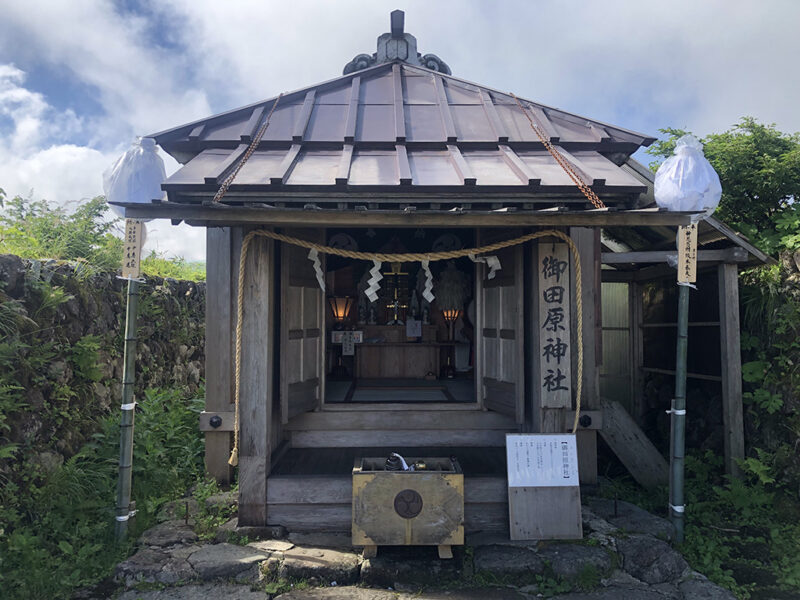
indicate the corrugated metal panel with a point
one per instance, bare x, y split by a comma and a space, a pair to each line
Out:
471, 123
377, 90
374, 167
195, 170
419, 89
315, 168
491, 169
602, 168
544, 167
327, 123
282, 123
429, 167
375, 123
261, 166
424, 123
459, 93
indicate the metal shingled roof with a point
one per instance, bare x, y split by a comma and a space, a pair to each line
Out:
398, 127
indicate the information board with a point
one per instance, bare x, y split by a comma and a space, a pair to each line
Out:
542, 460
132, 248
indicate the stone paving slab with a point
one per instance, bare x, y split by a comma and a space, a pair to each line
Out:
213, 591
219, 561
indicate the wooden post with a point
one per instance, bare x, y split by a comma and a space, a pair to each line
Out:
636, 319
731, 363
588, 242
255, 410
219, 329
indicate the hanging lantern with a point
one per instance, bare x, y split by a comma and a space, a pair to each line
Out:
340, 307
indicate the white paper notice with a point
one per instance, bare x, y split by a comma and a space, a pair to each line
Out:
413, 328
542, 460
348, 344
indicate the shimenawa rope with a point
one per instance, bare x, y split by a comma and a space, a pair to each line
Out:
406, 257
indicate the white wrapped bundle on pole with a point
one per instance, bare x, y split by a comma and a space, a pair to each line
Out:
136, 176
686, 181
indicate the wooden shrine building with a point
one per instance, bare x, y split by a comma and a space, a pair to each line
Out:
397, 156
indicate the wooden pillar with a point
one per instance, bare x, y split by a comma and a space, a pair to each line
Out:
256, 383
731, 365
217, 349
588, 242
636, 319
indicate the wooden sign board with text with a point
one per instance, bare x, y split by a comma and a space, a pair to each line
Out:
132, 249
555, 387
687, 253
544, 498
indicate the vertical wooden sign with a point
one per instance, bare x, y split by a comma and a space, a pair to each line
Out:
554, 326
132, 249
687, 253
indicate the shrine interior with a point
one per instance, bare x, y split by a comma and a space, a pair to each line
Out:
401, 348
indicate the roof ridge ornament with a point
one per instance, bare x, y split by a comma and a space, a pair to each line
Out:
397, 45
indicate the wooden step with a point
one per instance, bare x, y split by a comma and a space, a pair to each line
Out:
352, 420
398, 437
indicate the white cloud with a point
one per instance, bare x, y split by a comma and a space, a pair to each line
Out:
640, 65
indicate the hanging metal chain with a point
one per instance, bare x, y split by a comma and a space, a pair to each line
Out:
223, 189
587, 191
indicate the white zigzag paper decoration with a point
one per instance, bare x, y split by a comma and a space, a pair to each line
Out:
427, 293
490, 261
313, 256
374, 281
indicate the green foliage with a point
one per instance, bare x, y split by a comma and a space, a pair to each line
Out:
158, 265
208, 520
36, 229
759, 168
56, 528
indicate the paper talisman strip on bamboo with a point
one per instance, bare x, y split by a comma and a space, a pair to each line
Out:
687, 253
554, 326
132, 249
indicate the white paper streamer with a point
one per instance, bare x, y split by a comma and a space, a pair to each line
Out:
374, 281
313, 256
490, 261
427, 293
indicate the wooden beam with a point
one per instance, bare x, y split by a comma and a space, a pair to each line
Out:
731, 364
255, 410
301, 124
636, 319
642, 459
399, 108
724, 255
352, 111
238, 215
196, 132
218, 368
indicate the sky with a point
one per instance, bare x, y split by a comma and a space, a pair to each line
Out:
80, 79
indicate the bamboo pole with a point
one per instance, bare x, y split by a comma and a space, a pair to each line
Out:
678, 418
126, 423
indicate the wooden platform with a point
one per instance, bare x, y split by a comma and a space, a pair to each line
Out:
310, 489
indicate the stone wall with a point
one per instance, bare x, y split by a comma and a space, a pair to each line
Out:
63, 329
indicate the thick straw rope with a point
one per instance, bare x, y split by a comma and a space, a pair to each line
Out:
407, 257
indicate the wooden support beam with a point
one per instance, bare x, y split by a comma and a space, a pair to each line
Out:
255, 410
196, 132
731, 255
636, 316
352, 112
588, 243
218, 345
642, 459
300, 125
196, 214
731, 363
